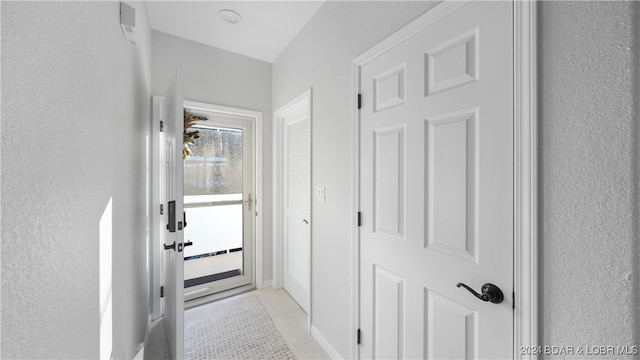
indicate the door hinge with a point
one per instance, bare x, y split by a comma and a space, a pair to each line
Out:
358, 337
161, 209
514, 300
161, 291
359, 218
359, 101
161, 126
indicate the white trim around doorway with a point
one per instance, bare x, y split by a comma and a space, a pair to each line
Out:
525, 169
257, 115
155, 268
302, 100
526, 258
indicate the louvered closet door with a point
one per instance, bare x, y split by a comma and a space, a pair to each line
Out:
297, 183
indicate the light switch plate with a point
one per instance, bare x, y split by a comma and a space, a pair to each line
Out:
320, 194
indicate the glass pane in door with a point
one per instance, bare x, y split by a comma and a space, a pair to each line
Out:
213, 189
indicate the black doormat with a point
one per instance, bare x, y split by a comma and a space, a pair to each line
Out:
211, 278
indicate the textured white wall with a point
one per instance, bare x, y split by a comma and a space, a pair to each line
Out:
590, 160
220, 77
320, 57
75, 113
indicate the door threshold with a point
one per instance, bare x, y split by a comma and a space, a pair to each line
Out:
217, 296
211, 278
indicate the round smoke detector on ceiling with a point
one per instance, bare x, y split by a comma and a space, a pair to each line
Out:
230, 16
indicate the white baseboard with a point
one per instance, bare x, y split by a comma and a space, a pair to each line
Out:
266, 284
140, 352
325, 344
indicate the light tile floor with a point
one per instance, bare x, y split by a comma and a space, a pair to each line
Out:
291, 321
155, 344
288, 317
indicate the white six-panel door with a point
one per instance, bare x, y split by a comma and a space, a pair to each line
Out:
436, 190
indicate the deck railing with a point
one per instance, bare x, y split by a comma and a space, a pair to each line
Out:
214, 224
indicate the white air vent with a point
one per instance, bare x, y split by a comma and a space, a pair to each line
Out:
128, 23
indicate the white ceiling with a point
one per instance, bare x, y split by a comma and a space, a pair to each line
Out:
266, 29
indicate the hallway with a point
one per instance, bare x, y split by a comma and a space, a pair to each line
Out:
76, 208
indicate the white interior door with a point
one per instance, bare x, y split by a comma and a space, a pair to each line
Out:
172, 199
297, 207
437, 190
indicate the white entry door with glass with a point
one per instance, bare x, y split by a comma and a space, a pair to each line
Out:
219, 204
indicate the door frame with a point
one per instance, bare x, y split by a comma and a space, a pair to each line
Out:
304, 99
525, 151
155, 268
202, 292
